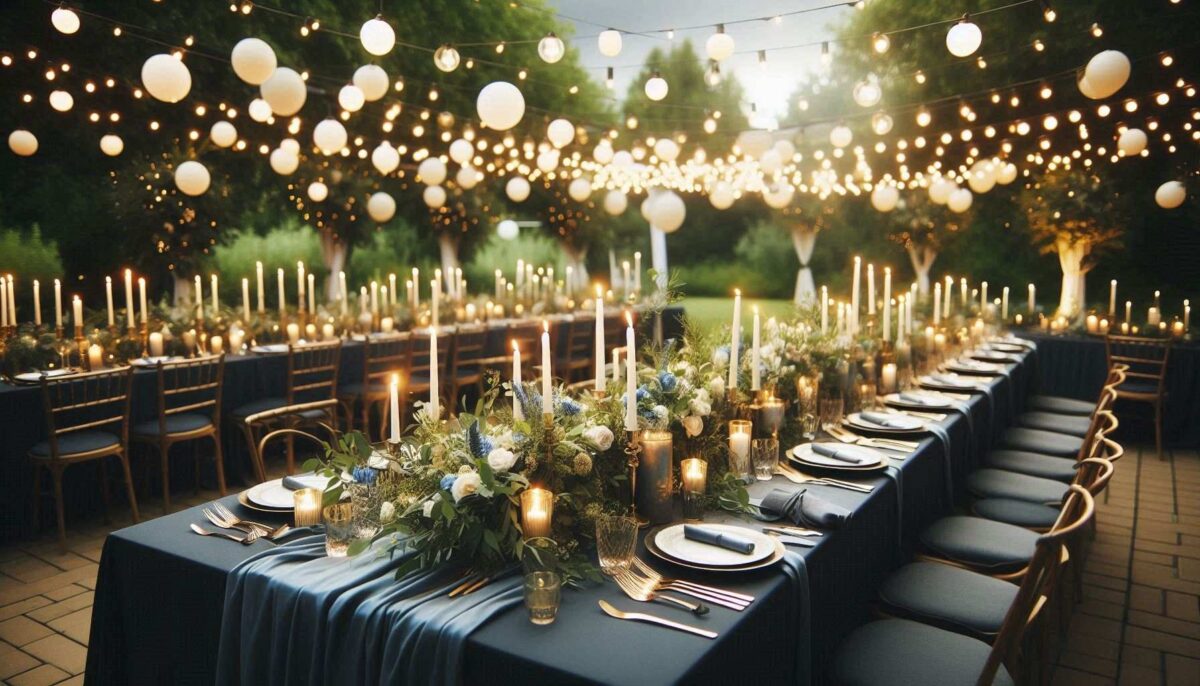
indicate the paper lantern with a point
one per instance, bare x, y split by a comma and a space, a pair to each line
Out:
253, 61
283, 162
223, 133
111, 144
719, 45
885, 197
647, 207
770, 162
560, 132
23, 142
372, 80
285, 91
940, 190
963, 38
779, 195
500, 105
329, 136
840, 136
431, 171
61, 101
615, 202
192, 178
351, 98
1006, 174
65, 20
377, 36
603, 152
656, 87
580, 190
669, 212
381, 207
467, 177
434, 196
1106, 73
166, 78
609, 43
623, 159
785, 148
547, 160
666, 149
721, 196
507, 229
881, 123
551, 49
1088, 89
259, 110
867, 93
755, 143
446, 58
960, 200
1170, 195
317, 191
291, 145
385, 158
517, 189
1132, 142
982, 177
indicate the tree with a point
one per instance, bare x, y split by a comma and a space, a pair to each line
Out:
922, 226
805, 217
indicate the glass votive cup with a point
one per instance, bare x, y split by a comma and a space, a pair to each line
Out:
693, 472
616, 540
740, 431
543, 592
830, 411
339, 528
307, 506
764, 453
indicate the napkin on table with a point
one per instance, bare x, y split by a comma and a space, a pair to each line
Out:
720, 539
802, 509
835, 452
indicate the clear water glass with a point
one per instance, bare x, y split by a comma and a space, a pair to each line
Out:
339, 529
830, 411
764, 452
543, 592
616, 540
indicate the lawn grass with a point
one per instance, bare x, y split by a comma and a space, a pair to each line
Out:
712, 312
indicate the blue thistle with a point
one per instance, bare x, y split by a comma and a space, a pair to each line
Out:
567, 406
448, 481
667, 381
364, 475
643, 393
478, 444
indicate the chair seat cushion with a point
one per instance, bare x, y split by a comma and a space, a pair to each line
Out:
271, 404
1071, 425
980, 543
357, 390
950, 595
1139, 387
1045, 442
176, 424
1001, 483
900, 652
77, 442
1033, 464
1061, 405
1016, 512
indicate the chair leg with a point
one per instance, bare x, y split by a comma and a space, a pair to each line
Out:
1158, 428
37, 496
219, 459
129, 487
105, 497
164, 455
56, 473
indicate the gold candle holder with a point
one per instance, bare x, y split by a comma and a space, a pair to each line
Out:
693, 473
740, 432
307, 503
537, 512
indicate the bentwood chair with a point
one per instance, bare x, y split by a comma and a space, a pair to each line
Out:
385, 355
418, 375
577, 360
87, 418
312, 371
1061, 405
1051, 466
188, 409
1147, 360
1073, 424
526, 336
467, 361
903, 652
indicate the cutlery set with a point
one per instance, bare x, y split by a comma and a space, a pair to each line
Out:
223, 517
797, 477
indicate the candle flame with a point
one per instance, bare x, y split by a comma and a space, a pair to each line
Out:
737, 292
396, 380
599, 290
545, 326
515, 347
629, 319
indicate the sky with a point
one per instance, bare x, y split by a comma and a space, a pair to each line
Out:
768, 87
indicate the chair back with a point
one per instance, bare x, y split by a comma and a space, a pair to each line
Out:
580, 350
313, 371
92, 400
419, 358
1145, 358
470, 342
385, 355
614, 331
525, 336
186, 386
1049, 557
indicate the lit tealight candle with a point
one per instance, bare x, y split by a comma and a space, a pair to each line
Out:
888, 378
216, 346
694, 471
739, 447
537, 512
95, 357
156, 344
293, 333
307, 503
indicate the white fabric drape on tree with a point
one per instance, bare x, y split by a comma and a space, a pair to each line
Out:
658, 255
1071, 255
922, 258
804, 239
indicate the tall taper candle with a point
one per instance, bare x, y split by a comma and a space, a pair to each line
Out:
343, 296
887, 303
964, 293
983, 300
631, 423
58, 304
625, 281
394, 409
312, 293
436, 299
416, 279
870, 289
937, 304
199, 297
547, 389
518, 410
3, 302
853, 316
1112, 299
949, 290
599, 338
1004, 304
142, 298
300, 286
824, 310
77, 313
37, 303
129, 298
374, 297
1128, 310
262, 294
282, 296
1032, 297
246, 299
216, 302
637, 272
108, 299
392, 289
735, 337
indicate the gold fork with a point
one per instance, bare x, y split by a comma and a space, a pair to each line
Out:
684, 586
641, 590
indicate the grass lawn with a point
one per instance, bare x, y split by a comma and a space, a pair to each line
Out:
709, 312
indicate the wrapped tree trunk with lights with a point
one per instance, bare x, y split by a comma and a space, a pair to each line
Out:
805, 216
922, 226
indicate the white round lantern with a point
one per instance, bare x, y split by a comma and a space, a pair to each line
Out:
166, 78
940, 190
547, 160
754, 143
23, 142
656, 87
580, 190
351, 98
1170, 195
668, 212
500, 105
259, 110
1006, 174
317, 191
385, 158
285, 91
377, 36
381, 207
291, 145
785, 148
982, 177
603, 152
666, 149
647, 207
551, 49
253, 61
284, 162
560, 132
111, 144
963, 38
721, 196
330, 136
372, 80
841, 136
960, 200
431, 171
65, 20
517, 189
507, 229
192, 178
461, 151
779, 195
434, 196
609, 43
881, 123
868, 92
719, 46
467, 177
615, 202
223, 133
1088, 89
1106, 73
1132, 142
885, 197
770, 162
61, 101
623, 159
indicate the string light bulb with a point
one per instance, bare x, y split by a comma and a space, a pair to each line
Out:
964, 38
551, 48
446, 58
880, 42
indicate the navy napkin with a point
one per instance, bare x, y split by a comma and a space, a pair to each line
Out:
884, 420
720, 539
835, 452
802, 509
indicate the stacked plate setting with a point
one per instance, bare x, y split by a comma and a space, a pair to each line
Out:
272, 496
872, 460
668, 543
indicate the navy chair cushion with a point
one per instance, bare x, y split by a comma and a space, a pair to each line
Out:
980, 543
176, 424
949, 595
1033, 464
1060, 405
1016, 512
1001, 483
1045, 442
77, 442
271, 404
899, 652
1071, 425
1146, 387
355, 390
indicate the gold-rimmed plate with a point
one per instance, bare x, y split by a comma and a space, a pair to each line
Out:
654, 550
246, 502
804, 457
923, 401
905, 425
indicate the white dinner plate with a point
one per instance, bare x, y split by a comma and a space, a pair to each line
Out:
985, 355
672, 542
151, 361
272, 493
948, 381
1007, 347
900, 423
803, 453
906, 399
269, 349
968, 366
34, 377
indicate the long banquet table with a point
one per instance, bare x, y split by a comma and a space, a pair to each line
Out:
159, 596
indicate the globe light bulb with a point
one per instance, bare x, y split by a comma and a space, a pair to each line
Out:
551, 48
656, 87
377, 36
446, 58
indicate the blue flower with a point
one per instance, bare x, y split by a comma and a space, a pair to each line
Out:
364, 475
668, 382
567, 406
642, 393
448, 481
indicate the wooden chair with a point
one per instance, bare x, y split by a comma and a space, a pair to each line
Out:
87, 418
384, 356
417, 376
1146, 359
526, 336
467, 363
577, 359
188, 409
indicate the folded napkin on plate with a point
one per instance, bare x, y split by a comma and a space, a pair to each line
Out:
293, 484
914, 398
720, 539
836, 452
802, 509
949, 380
884, 420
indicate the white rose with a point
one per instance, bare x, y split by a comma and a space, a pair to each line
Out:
501, 459
702, 395
716, 386
600, 436
660, 413
720, 358
427, 508
465, 485
693, 425
699, 407
387, 512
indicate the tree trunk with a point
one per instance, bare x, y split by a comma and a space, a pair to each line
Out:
577, 261
804, 239
658, 256
1071, 254
335, 255
922, 259
448, 248
183, 290
614, 274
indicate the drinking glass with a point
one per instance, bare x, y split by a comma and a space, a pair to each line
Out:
764, 452
616, 538
366, 500
866, 396
807, 388
339, 529
740, 431
830, 411
543, 591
